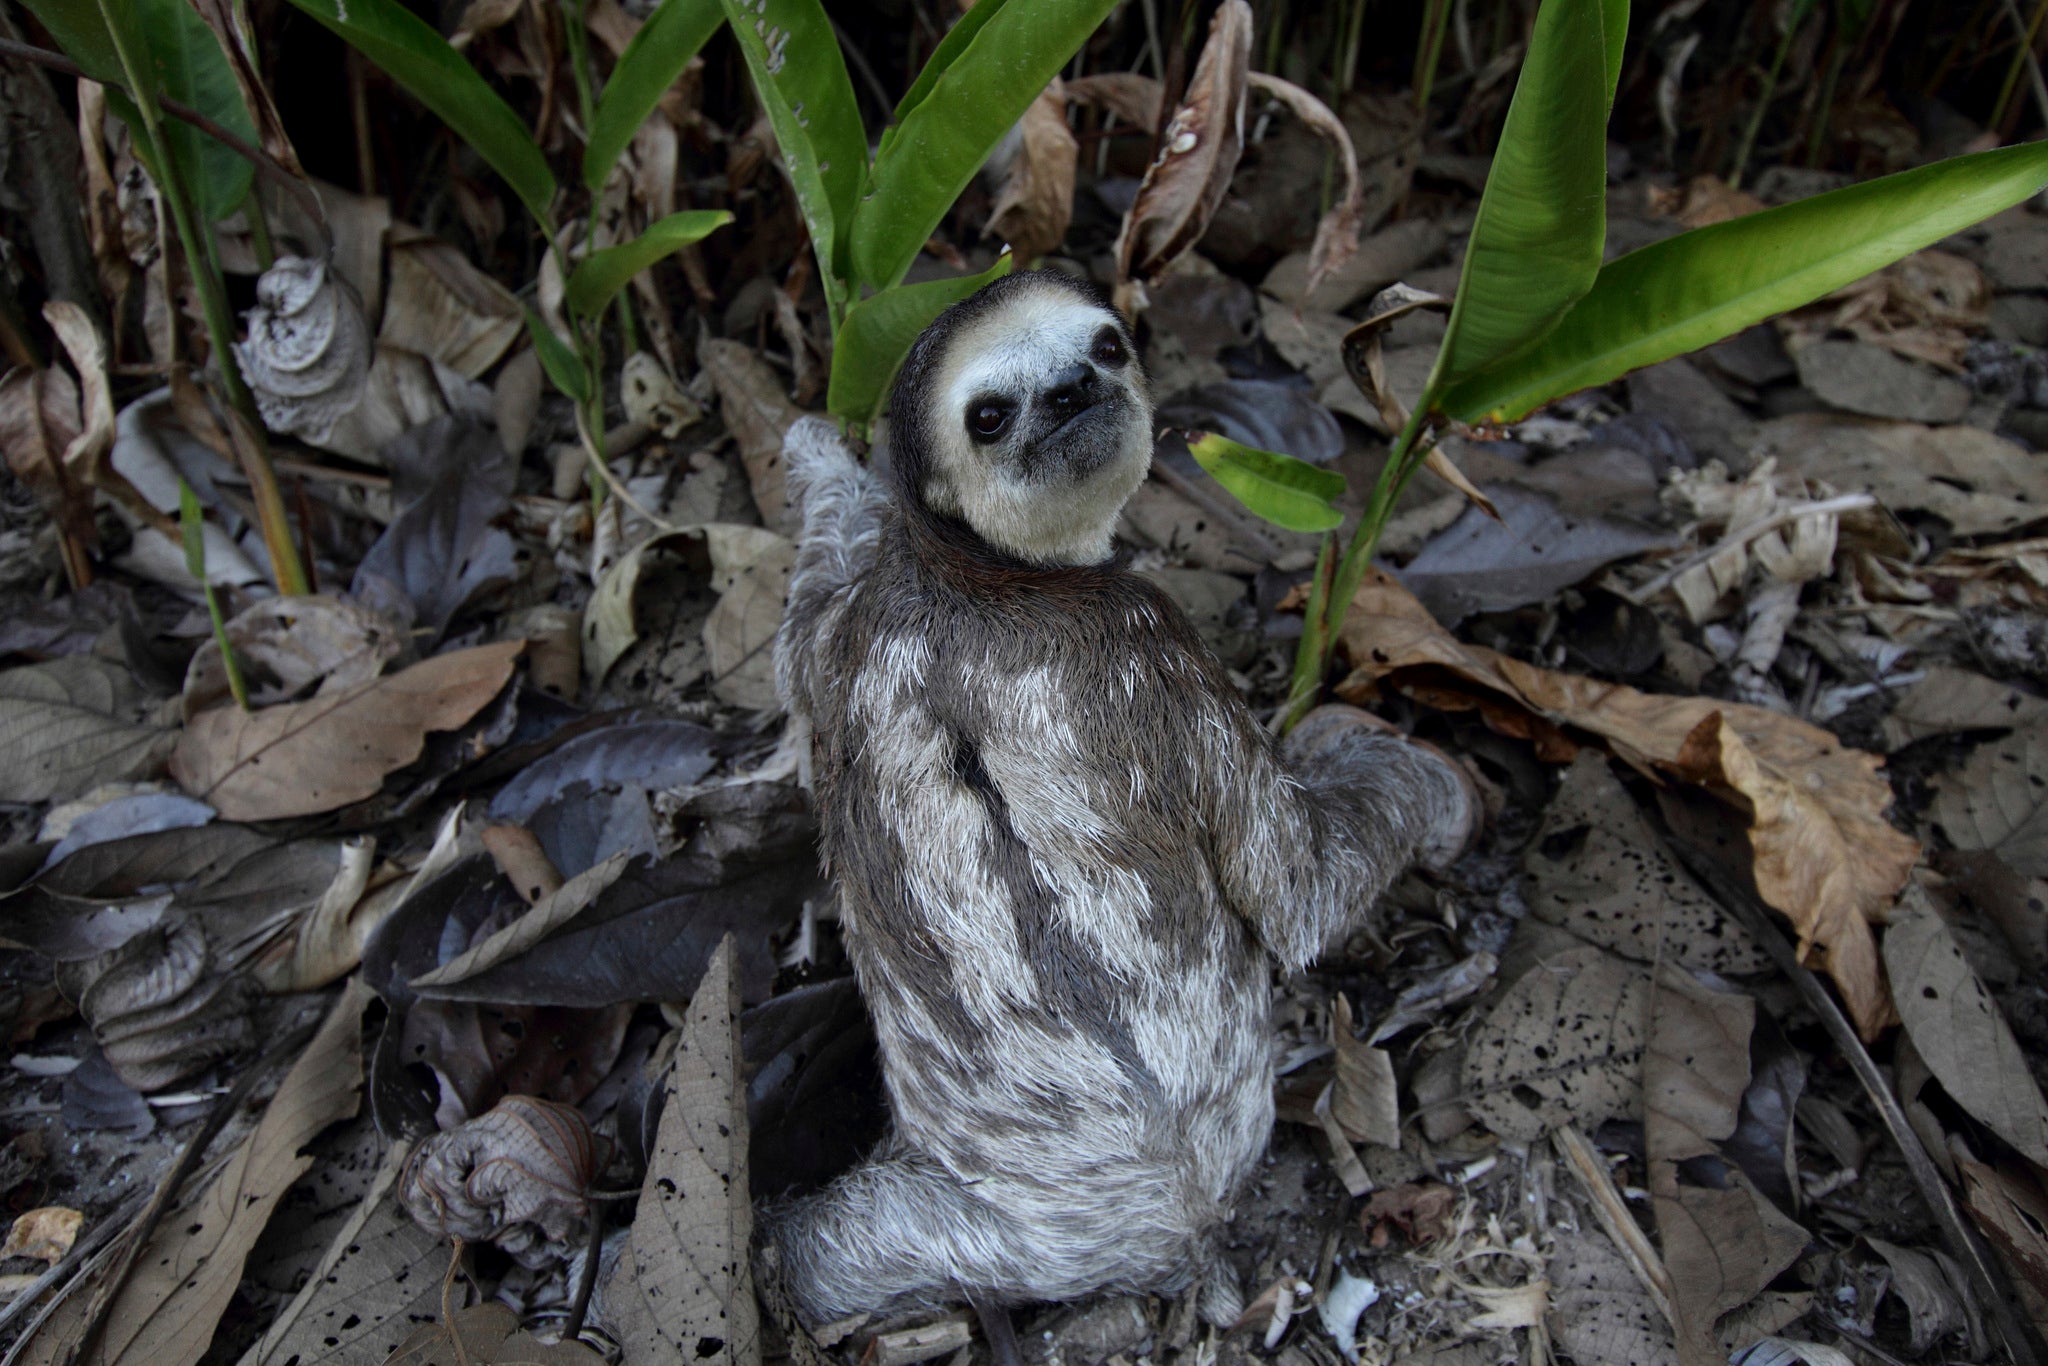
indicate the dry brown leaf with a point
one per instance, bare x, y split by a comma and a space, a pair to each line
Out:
1563, 1046
286, 645
1036, 200
1599, 1312
750, 570
441, 306
1126, 94
1197, 154
1597, 869
327, 943
1336, 239
1704, 200
381, 1274
2012, 1209
181, 1282
1933, 1290
1364, 1099
1959, 1030
758, 413
1979, 483
68, 725
1947, 701
486, 1335
684, 1288
1998, 801
518, 1175
305, 757
1824, 854
45, 1234
38, 420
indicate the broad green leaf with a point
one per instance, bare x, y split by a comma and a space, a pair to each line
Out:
1536, 241
1614, 14
941, 61
646, 69
878, 333
602, 274
957, 122
181, 59
1692, 290
558, 358
801, 79
1287, 492
437, 75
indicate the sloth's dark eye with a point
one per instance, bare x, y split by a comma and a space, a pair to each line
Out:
1109, 349
986, 419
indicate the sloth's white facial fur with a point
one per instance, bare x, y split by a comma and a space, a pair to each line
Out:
1074, 440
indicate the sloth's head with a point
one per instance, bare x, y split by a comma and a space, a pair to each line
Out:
1023, 413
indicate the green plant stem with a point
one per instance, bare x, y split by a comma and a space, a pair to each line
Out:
1763, 103
213, 306
1429, 52
1817, 137
1319, 630
237, 685
2022, 57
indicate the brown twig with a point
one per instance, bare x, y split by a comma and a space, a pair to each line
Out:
266, 165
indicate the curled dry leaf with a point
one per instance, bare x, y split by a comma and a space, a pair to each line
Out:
68, 726
39, 419
182, 1280
1824, 854
683, 1289
305, 757
287, 645
1959, 1030
1126, 94
308, 350
1364, 1099
161, 1006
1197, 154
2011, 1206
1596, 868
1563, 1046
327, 941
1036, 200
518, 1176
1336, 237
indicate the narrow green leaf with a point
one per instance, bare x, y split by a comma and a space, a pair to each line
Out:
645, 70
602, 274
1614, 14
944, 139
437, 75
878, 333
192, 529
800, 76
183, 61
1692, 290
1536, 241
558, 358
1287, 492
941, 61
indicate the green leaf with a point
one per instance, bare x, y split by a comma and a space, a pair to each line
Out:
1287, 492
558, 358
878, 333
192, 530
944, 139
1536, 242
437, 75
183, 61
1614, 14
602, 274
940, 62
1692, 290
793, 56
646, 69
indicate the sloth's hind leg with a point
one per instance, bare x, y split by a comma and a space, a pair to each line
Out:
893, 1232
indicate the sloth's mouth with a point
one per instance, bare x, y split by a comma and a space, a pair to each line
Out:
1083, 441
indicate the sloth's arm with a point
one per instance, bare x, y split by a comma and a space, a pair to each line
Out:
1308, 833
842, 502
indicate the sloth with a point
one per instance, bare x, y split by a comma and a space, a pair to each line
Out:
1068, 854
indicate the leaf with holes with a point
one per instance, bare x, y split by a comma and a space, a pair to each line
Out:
1563, 1046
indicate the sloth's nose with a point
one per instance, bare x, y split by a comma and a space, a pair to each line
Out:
1072, 390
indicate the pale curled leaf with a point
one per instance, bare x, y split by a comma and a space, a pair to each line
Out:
1197, 155
1959, 1029
1336, 237
691, 1289
307, 354
305, 757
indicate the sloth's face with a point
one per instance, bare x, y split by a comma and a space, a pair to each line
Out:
1042, 427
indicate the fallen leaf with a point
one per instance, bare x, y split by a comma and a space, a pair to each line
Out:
39, 419
1931, 1290
288, 645
305, 757
1824, 854
1597, 869
2011, 1207
1364, 1098
1132, 97
1271, 415
440, 305
44, 1234
1036, 196
1599, 1312
1421, 1210
1959, 1029
683, 1289
486, 1335
758, 413
452, 480
327, 941
1980, 484
518, 1176
751, 569
1949, 701
1777, 1351
810, 1051
380, 1276
1337, 230
650, 754
69, 725
1997, 801
1564, 1045
182, 1280
307, 353
95, 1098
1198, 153
651, 396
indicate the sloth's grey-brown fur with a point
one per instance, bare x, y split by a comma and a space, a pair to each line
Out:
1068, 853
